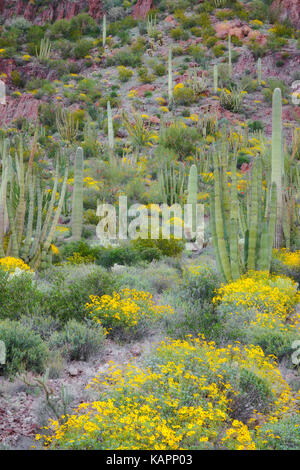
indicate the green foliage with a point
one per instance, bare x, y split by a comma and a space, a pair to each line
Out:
78, 341
165, 247
18, 296
281, 435
25, 350
70, 288
182, 140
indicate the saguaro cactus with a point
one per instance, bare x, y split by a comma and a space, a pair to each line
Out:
277, 160
77, 203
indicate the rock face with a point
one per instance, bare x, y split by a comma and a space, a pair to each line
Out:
26, 106
56, 10
141, 8
289, 9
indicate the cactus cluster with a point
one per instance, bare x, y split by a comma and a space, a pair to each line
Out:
242, 232
172, 183
28, 219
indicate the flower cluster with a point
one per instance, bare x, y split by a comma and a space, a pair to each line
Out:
181, 400
10, 264
271, 297
126, 309
288, 258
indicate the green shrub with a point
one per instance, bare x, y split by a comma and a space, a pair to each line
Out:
280, 435
171, 247
218, 50
160, 70
126, 58
182, 140
82, 48
16, 78
25, 350
124, 73
18, 296
78, 341
179, 34
70, 288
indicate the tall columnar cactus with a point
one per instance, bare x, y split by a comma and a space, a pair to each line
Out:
77, 203
172, 184
104, 31
229, 217
259, 72
170, 77
110, 128
28, 220
215, 78
277, 160
229, 56
192, 194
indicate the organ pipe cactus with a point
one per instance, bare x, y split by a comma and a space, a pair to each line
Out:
192, 195
277, 160
172, 184
77, 203
228, 220
28, 220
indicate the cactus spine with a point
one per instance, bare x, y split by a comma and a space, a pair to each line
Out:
277, 160
77, 203
170, 77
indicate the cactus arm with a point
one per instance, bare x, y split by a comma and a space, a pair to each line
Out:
77, 205
277, 160
220, 225
234, 227
253, 222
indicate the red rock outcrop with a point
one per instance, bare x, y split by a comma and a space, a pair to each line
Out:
56, 10
141, 8
24, 107
289, 9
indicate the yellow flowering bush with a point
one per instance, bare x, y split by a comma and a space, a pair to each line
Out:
181, 399
260, 307
126, 312
289, 258
286, 262
10, 264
